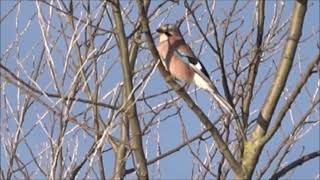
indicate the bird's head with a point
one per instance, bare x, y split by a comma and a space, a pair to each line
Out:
169, 31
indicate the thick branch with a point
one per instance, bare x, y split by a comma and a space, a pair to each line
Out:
280, 80
137, 145
253, 148
291, 99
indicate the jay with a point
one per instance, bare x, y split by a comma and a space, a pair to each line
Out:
178, 58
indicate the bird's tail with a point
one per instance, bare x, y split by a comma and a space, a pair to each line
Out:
221, 100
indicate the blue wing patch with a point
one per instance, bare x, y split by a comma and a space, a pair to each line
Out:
191, 60
185, 57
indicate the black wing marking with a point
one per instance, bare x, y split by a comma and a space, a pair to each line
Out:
194, 61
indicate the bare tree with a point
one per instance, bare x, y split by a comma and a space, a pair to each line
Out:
82, 97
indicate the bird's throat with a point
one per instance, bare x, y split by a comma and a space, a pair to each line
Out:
163, 38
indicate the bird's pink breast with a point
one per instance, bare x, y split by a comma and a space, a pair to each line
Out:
180, 70
177, 67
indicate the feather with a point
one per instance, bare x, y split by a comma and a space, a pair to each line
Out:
221, 101
179, 58
195, 63
203, 81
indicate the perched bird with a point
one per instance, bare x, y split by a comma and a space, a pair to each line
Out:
178, 58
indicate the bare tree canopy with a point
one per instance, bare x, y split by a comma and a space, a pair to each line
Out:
85, 95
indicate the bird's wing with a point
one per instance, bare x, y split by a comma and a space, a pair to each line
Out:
186, 55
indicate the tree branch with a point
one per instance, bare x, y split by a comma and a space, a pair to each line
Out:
291, 99
253, 148
132, 118
294, 164
254, 65
10, 76
223, 148
294, 34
